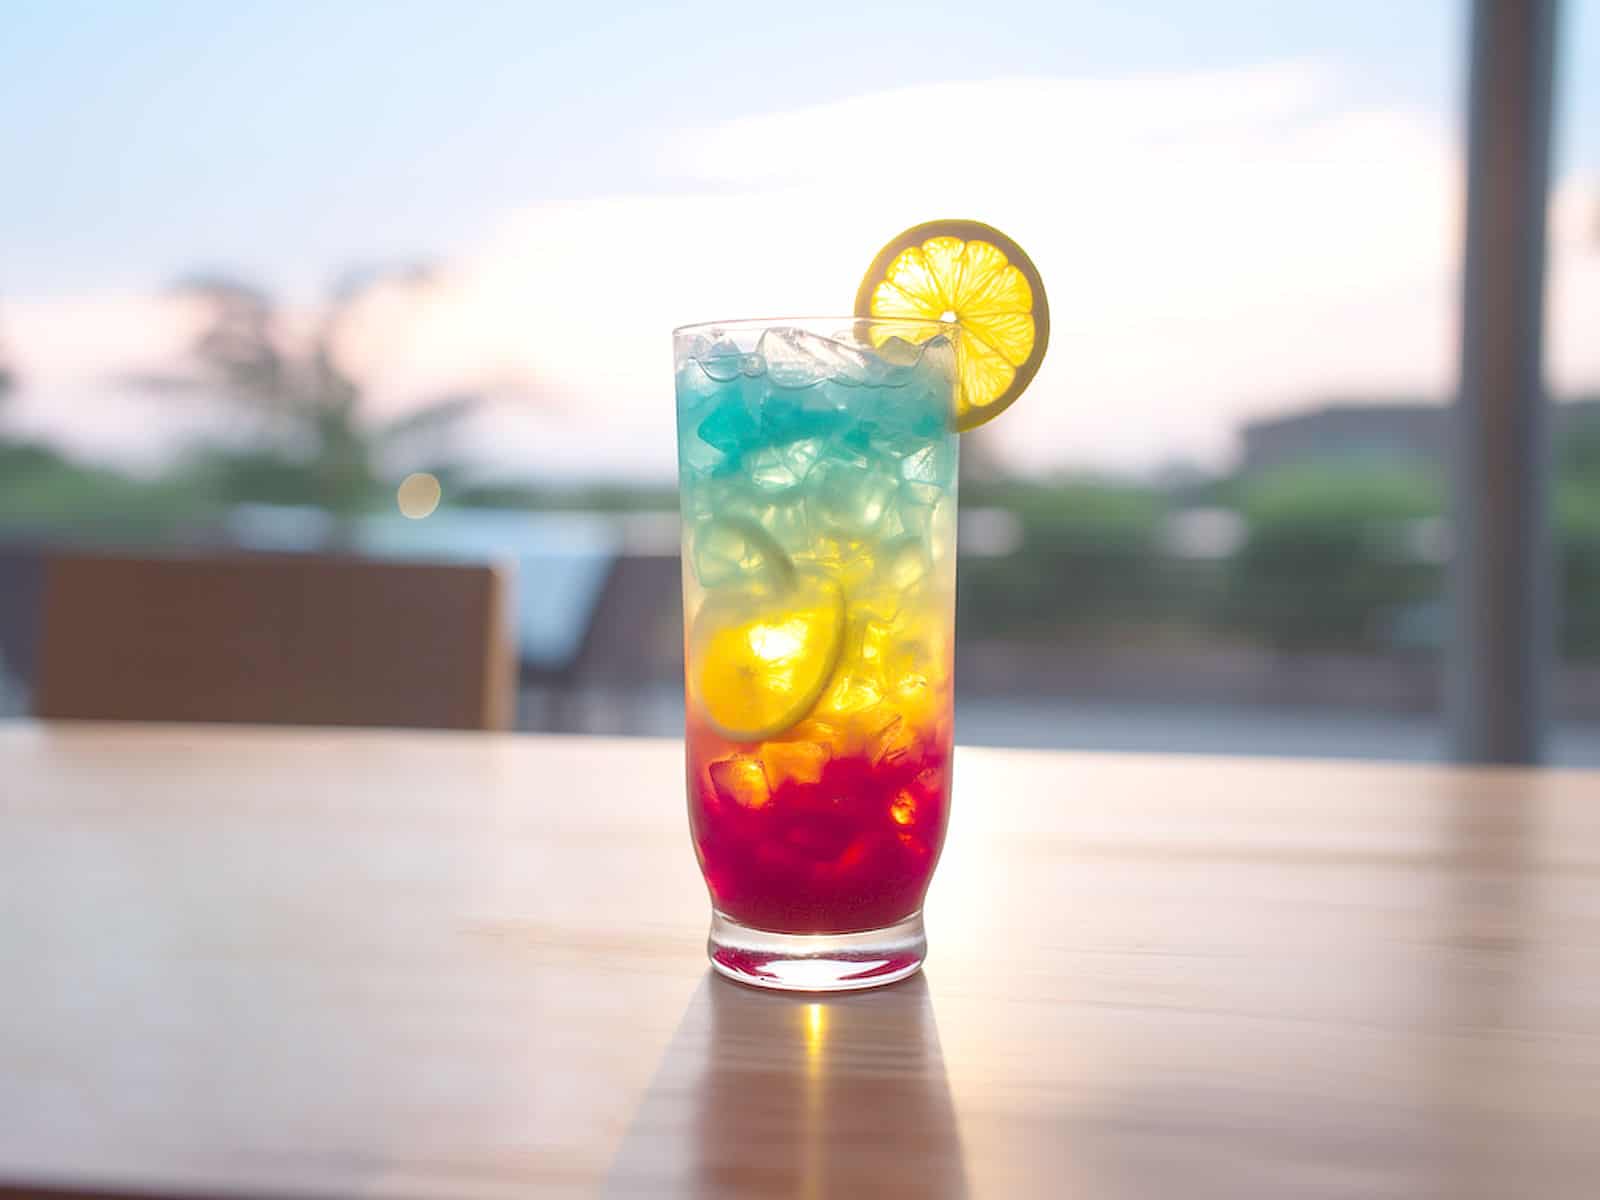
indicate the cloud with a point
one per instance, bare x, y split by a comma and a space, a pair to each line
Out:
69, 354
1216, 247
932, 132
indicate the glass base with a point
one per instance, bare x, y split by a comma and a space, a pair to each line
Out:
816, 962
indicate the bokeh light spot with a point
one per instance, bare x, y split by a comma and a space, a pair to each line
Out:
418, 495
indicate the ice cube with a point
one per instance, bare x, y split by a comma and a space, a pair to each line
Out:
913, 506
741, 780
891, 440
770, 471
878, 604
906, 419
913, 693
904, 563
892, 527
797, 762
939, 360
887, 365
912, 663
899, 748
852, 693
849, 498
688, 355
934, 463
900, 367
853, 445
797, 416
797, 358
696, 459
694, 385
723, 494
780, 418
898, 352
802, 455
720, 360
822, 734
867, 637
727, 550
731, 429
779, 468
784, 517
847, 560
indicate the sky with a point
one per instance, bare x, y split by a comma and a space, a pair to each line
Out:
1237, 208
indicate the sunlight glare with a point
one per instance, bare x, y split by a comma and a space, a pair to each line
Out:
775, 643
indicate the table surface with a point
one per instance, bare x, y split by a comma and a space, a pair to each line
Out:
300, 963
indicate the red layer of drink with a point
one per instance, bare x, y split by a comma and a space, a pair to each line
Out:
848, 845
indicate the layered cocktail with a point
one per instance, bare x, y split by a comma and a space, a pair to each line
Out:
817, 470
818, 483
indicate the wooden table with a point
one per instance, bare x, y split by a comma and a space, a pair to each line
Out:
302, 963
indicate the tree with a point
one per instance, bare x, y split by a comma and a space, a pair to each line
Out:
309, 441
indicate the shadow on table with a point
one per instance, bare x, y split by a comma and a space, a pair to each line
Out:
797, 1095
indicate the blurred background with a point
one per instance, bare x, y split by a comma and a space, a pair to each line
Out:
397, 280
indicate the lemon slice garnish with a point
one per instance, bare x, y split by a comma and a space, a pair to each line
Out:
973, 276
759, 662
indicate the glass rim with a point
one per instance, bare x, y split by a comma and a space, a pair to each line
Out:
748, 323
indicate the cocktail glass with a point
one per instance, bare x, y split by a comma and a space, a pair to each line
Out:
817, 472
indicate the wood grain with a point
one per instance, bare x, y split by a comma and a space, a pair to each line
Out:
289, 963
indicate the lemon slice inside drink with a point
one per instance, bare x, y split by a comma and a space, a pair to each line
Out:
972, 276
761, 661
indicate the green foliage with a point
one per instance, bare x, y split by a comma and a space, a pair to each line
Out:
312, 442
1577, 523
614, 497
24, 463
1578, 450
1076, 510
1347, 497
1580, 595
1577, 509
1088, 560
1327, 556
43, 493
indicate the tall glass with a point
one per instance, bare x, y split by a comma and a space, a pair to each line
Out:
817, 474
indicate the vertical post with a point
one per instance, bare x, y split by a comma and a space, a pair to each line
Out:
1503, 568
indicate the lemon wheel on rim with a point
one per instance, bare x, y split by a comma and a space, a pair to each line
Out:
971, 276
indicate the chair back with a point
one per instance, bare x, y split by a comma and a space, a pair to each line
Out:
277, 639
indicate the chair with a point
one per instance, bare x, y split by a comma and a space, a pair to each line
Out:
628, 636
275, 639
